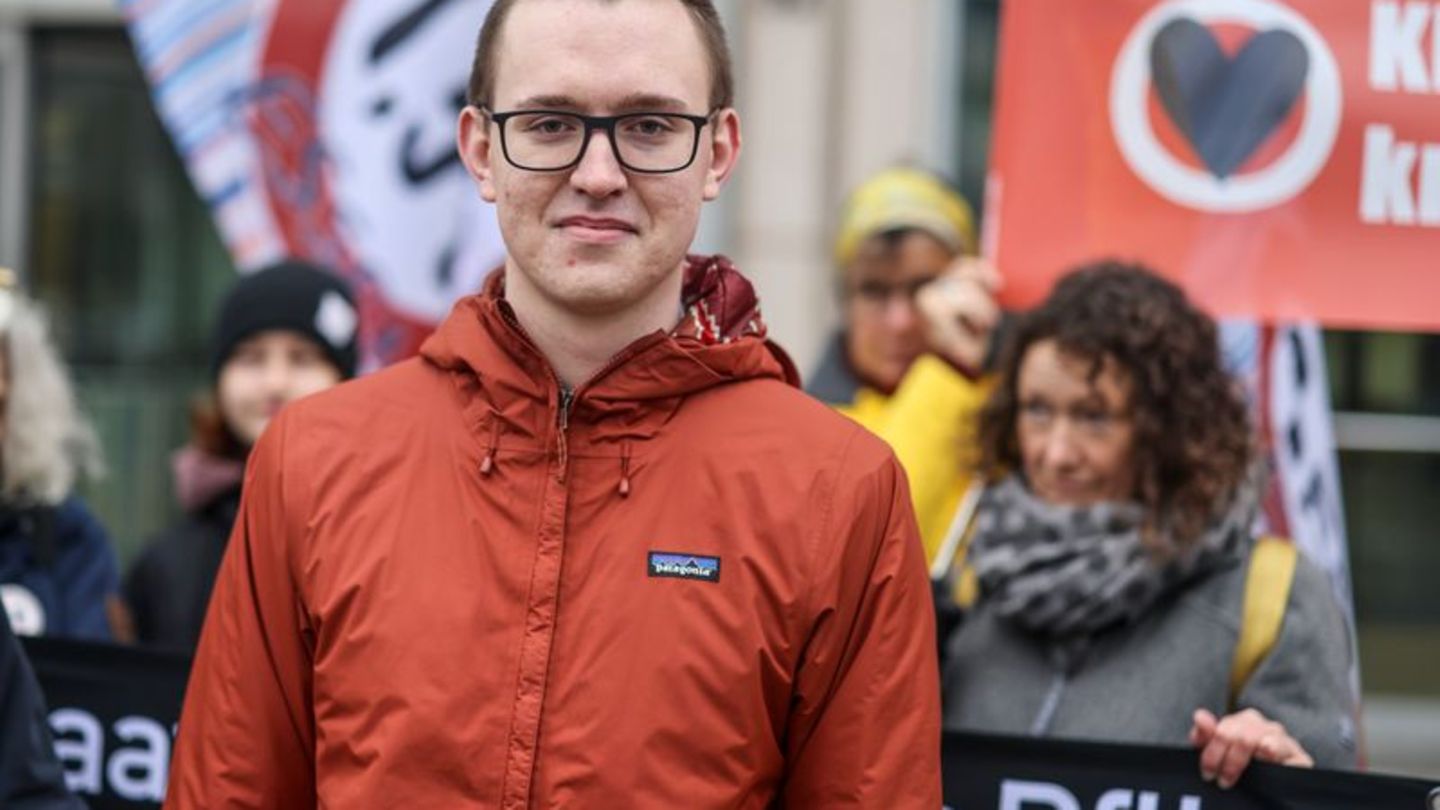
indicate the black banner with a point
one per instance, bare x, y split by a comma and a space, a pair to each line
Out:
113, 711
984, 772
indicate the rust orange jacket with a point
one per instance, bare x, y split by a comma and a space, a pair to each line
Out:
694, 587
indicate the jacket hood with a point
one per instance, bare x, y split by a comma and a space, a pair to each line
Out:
721, 338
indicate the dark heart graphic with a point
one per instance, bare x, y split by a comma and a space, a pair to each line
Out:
1226, 107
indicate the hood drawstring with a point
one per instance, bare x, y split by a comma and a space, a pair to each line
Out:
487, 464
624, 469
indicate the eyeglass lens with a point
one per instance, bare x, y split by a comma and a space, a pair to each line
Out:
652, 142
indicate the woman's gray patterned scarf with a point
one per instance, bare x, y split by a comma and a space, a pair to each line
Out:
1068, 573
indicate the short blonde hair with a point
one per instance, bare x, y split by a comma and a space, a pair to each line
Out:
707, 21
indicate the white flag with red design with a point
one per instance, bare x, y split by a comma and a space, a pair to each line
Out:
1283, 368
325, 130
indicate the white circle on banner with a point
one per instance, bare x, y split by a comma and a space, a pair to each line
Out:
1195, 188
27, 615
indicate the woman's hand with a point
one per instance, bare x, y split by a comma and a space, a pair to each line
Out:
1229, 743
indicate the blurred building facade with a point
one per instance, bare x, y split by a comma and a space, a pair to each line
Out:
97, 214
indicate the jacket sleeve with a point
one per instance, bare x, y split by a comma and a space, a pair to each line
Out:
930, 424
1305, 682
246, 736
864, 727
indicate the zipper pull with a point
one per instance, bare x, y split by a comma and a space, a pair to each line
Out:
567, 399
487, 464
624, 470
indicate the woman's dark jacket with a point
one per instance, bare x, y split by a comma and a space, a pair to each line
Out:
168, 587
57, 570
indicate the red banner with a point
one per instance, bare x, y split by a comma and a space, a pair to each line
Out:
1280, 160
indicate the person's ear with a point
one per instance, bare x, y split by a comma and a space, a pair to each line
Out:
724, 145
476, 148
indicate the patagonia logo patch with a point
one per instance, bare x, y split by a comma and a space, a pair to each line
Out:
679, 565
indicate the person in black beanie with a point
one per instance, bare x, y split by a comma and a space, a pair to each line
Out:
283, 332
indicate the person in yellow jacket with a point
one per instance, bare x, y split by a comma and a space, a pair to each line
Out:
919, 310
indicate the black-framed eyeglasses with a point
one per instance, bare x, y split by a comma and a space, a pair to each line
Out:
555, 140
880, 293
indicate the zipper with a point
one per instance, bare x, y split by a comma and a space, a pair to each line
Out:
565, 401
562, 423
568, 396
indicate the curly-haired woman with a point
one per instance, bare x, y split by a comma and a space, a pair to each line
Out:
58, 573
1113, 542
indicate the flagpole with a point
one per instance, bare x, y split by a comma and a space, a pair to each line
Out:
959, 527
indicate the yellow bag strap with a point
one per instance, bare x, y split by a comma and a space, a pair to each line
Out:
1267, 591
966, 588
951, 563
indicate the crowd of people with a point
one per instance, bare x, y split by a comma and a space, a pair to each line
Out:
281, 333
1105, 579
491, 575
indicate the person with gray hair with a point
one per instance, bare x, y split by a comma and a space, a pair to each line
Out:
57, 568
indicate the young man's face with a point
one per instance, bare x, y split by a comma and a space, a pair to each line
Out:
595, 239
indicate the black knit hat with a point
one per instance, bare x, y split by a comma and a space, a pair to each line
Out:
295, 296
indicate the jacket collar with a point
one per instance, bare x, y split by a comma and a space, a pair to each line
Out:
720, 339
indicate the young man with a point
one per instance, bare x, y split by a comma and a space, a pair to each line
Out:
919, 311
592, 549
